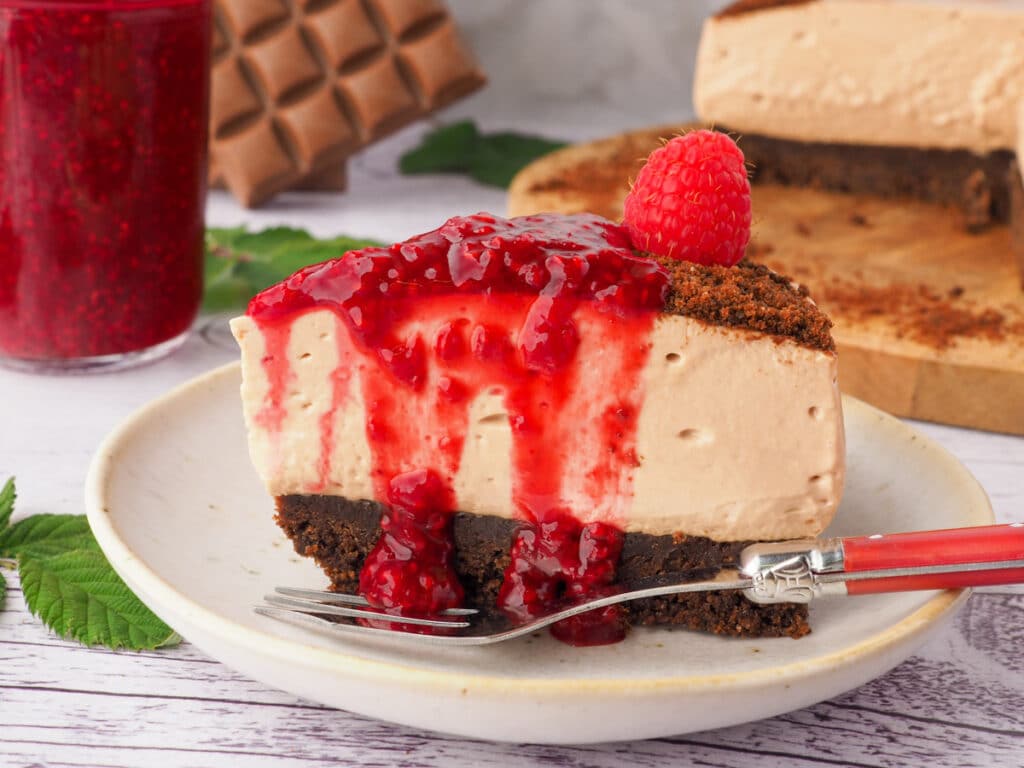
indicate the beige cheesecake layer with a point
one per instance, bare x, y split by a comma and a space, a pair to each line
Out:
740, 436
913, 73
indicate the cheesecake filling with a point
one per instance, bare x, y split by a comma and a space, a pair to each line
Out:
523, 368
909, 73
714, 398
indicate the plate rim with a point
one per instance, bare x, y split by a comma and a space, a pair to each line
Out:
156, 590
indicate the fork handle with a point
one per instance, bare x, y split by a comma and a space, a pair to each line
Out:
927, 549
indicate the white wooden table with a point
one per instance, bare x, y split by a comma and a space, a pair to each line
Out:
956, 704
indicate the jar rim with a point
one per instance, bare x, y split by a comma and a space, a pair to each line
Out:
99, 5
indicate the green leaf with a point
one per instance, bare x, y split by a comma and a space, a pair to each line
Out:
489, 158
7, 497
223, 236
501, 156
44, 535
240, 264
262, 246
69, 584
218, 269
448, 149
230, 292
79, 596
321, 250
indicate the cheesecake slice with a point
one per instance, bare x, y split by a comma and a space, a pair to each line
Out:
505, 413
899, 98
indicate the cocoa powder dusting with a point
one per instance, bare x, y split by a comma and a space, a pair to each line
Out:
608, 174
921, 313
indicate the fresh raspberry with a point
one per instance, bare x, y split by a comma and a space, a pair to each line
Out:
691, 201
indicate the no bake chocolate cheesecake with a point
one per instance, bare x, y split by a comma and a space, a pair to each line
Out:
506, 413
899, 98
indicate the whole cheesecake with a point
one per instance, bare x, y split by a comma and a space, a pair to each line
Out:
509, 413
899, 98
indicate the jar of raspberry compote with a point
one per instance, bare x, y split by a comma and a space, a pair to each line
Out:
103, 142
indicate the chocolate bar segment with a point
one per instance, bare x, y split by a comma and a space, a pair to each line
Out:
361, 38
404, 17
378, 97
300, 85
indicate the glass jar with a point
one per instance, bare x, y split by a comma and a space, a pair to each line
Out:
103, 149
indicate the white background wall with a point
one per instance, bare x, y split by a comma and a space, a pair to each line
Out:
585, 67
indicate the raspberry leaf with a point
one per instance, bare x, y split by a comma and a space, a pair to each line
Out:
44, 535
500, 156
68, 583
7, 498
239, 264
80, 597
490, 158
448, 149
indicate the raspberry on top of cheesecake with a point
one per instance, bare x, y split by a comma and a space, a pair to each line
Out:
511, 412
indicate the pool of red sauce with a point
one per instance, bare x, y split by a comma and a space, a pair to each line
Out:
487, 306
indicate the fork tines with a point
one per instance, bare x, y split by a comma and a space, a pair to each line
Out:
343, 605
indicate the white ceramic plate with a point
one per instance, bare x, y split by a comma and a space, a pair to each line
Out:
179, 511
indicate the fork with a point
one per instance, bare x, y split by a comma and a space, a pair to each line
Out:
778, 572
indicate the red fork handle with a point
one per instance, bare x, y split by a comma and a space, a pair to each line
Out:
957, 546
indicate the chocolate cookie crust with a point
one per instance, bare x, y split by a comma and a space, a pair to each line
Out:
979, 185
741, 7
748, 296
1016, 184
339, 533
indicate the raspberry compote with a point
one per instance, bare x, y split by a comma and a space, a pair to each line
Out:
486, 306
103, 136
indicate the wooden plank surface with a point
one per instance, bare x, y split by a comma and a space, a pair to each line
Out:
929, 318
63, 705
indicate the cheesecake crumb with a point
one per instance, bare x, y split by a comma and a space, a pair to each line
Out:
749, 296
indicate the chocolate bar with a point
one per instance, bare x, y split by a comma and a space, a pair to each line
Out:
301, 85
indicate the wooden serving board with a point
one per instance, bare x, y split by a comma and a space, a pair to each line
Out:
929, 319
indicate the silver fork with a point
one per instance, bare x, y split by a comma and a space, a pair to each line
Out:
784, 572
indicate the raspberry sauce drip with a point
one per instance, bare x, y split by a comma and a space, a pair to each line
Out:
488, 307
559, 560
411, 566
